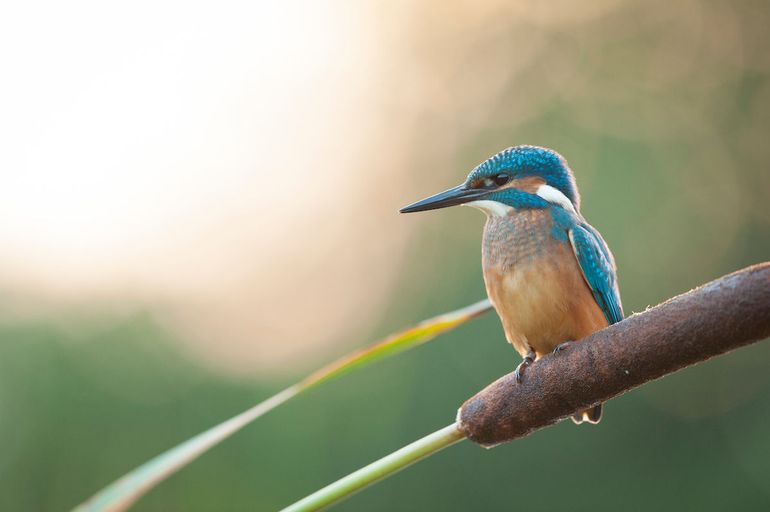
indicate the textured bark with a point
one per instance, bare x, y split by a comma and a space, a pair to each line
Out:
720, 316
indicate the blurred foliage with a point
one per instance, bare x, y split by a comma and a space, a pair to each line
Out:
127, 489
663, 111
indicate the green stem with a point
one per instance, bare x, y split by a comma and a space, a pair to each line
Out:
386, 466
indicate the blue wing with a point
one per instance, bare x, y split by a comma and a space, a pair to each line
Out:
598, 269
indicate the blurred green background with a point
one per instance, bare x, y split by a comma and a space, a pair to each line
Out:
662, 110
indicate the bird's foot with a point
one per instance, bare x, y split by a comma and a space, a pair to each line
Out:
519, 371
561, 346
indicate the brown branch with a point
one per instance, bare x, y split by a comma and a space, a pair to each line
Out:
720, 316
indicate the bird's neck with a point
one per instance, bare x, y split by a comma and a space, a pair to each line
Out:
520, 236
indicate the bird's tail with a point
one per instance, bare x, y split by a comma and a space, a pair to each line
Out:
592, 415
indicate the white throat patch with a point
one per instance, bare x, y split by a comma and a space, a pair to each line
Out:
491, 207
555, 196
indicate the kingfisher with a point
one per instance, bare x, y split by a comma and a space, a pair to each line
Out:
548, 273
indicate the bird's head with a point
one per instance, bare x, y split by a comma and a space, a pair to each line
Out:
518, 177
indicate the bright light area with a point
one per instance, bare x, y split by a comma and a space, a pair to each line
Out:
120, 126
175, 149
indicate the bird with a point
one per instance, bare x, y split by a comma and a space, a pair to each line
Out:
549, 275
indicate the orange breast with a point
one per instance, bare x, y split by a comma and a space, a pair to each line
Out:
542, 301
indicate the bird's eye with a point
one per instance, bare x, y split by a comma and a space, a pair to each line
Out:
501, 179
498, 180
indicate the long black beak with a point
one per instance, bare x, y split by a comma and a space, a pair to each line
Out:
454, 196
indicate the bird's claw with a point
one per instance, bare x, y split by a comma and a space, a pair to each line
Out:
560, 347
519, 371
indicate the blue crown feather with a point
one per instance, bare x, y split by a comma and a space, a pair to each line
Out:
524, 161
